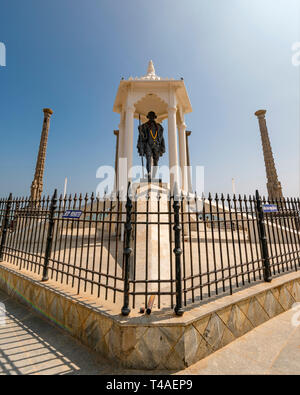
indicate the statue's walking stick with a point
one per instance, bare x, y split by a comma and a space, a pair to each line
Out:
150, 304
143, 166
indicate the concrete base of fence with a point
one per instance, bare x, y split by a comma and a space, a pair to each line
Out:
161, 340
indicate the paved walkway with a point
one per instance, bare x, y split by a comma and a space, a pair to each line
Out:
30, 345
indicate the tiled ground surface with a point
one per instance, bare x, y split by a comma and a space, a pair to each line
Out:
271, 348
30, 345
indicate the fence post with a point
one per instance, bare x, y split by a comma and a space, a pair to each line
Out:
53, 207
263, 240
5, 225
127, 252
177, 251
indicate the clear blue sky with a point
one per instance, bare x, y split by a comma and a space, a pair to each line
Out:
234, 55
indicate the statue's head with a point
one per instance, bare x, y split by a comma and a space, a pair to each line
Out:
151, 115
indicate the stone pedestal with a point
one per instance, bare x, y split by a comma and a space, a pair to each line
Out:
152, 237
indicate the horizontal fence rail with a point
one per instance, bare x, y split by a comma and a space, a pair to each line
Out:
179, 249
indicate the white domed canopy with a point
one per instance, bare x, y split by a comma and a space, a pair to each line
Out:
168, 98
151, 91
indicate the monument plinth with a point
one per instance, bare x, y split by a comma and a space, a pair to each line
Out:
153, 233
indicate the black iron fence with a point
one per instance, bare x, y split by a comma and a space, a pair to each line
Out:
180, 249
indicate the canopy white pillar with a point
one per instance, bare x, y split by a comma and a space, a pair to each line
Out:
121, 135
128, 143
173, 152
182, 156
120, 150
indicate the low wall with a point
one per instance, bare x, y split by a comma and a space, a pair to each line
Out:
161, 340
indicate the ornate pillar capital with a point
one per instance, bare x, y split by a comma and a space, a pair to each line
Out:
47, 111
172, 110
260, 114
130, 108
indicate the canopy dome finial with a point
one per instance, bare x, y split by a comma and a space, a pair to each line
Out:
151, 69
150, 73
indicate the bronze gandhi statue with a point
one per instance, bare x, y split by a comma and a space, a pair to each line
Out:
151, 143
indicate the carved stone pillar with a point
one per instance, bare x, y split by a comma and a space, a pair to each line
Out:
273, 185
37, 183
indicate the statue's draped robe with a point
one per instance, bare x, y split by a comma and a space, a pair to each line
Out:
147, 145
